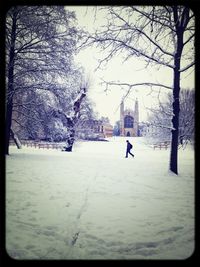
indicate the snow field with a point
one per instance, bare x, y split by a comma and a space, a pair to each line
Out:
95, 204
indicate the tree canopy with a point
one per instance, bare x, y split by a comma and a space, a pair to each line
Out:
41, 76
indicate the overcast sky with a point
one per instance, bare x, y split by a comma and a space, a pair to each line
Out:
133, 71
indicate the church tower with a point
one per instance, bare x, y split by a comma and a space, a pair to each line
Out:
129, 120
122, 118
136, 117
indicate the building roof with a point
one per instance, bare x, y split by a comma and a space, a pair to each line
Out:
128, 111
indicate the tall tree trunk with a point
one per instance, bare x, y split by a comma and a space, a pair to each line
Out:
176, 93
10, 88
71, 120
175, 122
8, 127
16, 139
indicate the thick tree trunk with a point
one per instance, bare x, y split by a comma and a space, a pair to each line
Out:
10, 88
8, 127
176, 101
70, 141
175, 124
71, 121
16, 139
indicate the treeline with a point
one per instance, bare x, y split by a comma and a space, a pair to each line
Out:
159, 120
45, 90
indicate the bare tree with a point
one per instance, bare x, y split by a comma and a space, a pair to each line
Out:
40, 42
187, 117
162, 36
71, 119
160, 118
87, 115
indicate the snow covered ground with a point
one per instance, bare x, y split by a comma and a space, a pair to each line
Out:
95, 204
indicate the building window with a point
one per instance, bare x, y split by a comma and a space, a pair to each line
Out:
128, 122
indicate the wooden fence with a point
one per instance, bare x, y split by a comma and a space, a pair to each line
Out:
161, 145
39, 144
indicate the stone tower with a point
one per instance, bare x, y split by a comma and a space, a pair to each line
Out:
129, 120
122, 118
136, 117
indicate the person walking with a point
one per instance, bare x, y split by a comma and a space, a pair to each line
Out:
128, 149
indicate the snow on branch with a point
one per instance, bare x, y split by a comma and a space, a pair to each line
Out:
78, 100
71, 118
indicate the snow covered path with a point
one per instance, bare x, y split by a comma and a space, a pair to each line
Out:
95, 204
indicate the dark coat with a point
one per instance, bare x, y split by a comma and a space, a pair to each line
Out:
129, 146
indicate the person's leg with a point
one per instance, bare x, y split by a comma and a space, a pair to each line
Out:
131, 154
126, 154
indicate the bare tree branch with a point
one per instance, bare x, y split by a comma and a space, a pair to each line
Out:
187, 67
136, 84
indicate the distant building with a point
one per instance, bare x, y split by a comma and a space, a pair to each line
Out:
102, 128
107, 130
96, 129
129, 120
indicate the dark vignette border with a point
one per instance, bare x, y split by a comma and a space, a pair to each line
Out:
4, 257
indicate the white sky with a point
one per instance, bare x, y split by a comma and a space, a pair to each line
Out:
107, 104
